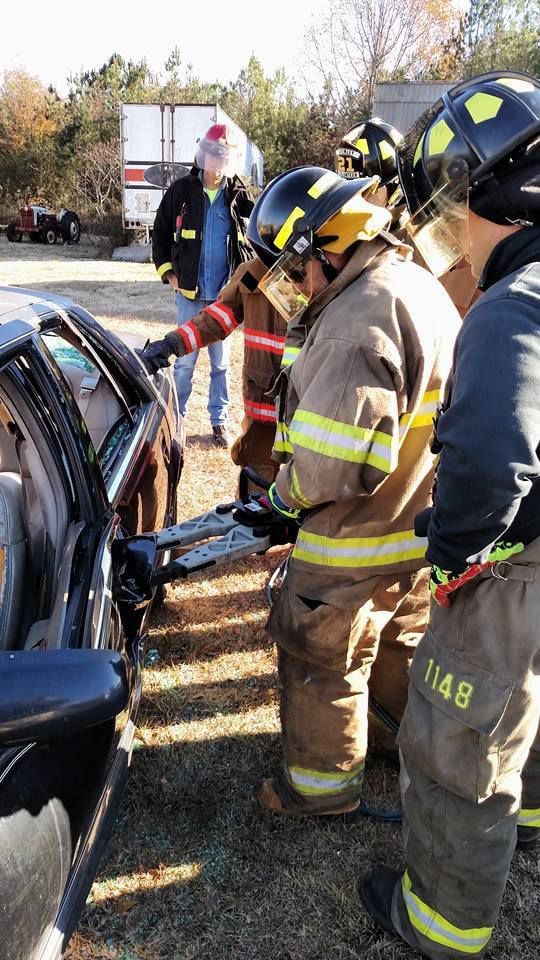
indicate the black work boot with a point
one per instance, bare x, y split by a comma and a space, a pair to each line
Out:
376, 892
220, 436
528, 838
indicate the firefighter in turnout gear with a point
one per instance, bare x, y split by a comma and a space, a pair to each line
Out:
361, 397
470, 172
240, 304
367, 150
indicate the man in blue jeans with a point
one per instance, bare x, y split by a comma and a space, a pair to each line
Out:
197, 243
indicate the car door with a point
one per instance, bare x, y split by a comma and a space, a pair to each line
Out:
140, 452
71, 677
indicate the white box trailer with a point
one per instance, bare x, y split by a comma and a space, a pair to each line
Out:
158, 144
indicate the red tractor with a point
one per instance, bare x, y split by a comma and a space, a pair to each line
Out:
42, 226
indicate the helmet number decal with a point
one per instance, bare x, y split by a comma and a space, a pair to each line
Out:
344, 165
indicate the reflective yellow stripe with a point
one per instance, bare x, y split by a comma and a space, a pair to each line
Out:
424, 414
439, 138
418, 151
362, 146
282, 443
188, 234
433, 926
289, 356
483, 106
322, 184
188, 294
387, 151
163, 268
343, 441
317, 782
529, 818
296, 490
359, 551
283, 235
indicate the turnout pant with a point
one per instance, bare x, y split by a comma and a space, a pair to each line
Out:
326, 656
469, 742
253, 448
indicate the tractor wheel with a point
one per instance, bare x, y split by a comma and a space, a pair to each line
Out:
13, 235
48, 233
70, 225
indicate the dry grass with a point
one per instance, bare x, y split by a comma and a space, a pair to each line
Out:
195, 869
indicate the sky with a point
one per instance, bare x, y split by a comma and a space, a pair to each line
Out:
52, 39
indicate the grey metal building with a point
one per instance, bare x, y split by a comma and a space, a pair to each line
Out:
402, 103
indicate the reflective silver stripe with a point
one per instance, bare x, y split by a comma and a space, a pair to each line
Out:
186, 329
433, 926
529, 818
312, 782
381, 549
222, 315
266, 340
289, 355
334, 436
268, 412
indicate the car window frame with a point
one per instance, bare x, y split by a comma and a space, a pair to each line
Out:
146, 398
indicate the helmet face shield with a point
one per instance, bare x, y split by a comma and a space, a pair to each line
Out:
216, 153
216, 158
440, 228
288, 284
285, 296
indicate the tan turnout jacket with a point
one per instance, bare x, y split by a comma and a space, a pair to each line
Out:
240, 302
357, 417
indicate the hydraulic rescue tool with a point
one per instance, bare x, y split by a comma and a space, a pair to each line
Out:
231, 531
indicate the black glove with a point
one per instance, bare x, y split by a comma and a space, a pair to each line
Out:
156, 353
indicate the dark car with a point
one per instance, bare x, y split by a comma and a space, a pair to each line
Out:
90, 453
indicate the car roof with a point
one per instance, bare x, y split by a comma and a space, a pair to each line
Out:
27, 307
13, 300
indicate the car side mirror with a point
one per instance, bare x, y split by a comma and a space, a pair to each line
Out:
52, 693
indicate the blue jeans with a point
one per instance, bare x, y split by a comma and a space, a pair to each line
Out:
218, 394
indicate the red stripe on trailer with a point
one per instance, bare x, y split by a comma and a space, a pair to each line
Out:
133, 175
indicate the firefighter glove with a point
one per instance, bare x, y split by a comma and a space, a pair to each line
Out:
156, 354
284, 510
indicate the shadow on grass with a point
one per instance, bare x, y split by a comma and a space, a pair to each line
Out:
251, 886
182, 703
197, 870
192, 629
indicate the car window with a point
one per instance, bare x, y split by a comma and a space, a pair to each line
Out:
107, 415
37, 503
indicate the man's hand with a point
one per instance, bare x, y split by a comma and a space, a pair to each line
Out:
443, 583
156, 354
172, 280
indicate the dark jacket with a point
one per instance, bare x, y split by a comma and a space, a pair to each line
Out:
488, 480
177, 234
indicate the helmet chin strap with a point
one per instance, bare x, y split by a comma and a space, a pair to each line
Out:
329, 271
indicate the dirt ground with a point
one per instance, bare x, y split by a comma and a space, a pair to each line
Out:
195, 869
